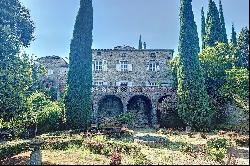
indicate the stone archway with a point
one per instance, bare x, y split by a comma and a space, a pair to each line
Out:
141, 107
109, 107
167, 114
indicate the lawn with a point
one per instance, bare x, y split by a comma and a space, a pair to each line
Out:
173, 147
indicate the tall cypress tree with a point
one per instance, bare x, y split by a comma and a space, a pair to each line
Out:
140, 44
233, 36
213, 28
203, 28
222, 24
243, 48
78, 98
193, 101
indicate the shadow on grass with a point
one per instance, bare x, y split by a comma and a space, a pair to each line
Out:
15, 160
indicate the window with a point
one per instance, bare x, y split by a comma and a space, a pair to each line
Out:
98, 83
124, 65
123, 55
99, 53
98, 66
50, 72
152, 66
153, 84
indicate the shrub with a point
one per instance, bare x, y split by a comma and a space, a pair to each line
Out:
115, 159
242, 141
126, 118
217, 148
9, 150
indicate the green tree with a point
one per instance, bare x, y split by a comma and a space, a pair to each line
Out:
16, 28
16, 31
243, 48
214, 61
203, 28
236, 86
213, 26
233, 37
78, 99
140, 44
222, 23
193, 101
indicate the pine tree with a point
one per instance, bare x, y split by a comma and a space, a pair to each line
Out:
203, 28
140, 44
78, 99
213, 28
222, 23
193, 101
243, 48
233, 36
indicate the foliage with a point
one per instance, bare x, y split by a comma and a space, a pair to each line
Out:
222, 24
243, 48
78, 98
126, 118
242, 141
233, 37
193, 102
8, 150
236, 86
214, 62
213, 25
41, 116
217, 148
203, 28
115, 159
16, 28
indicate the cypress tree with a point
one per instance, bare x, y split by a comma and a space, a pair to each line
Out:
140, 44
222, 23
78, 98
203, 28
233, 36
193, 102
243, 48
213, 28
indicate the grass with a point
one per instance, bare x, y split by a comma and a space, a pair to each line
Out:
171, 154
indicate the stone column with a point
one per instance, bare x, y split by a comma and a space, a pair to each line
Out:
154, 113
95, 113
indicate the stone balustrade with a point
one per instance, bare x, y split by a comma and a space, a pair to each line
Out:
135, 89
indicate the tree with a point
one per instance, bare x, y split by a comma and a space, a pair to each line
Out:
140, 44
16, 28
16, 31
233, 37
243, 48
222, 24
213, 26
214, 62
193, 101
203, 28
78, 100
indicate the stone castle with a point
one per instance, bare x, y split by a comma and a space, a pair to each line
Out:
125, 79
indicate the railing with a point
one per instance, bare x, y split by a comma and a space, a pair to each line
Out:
137, 89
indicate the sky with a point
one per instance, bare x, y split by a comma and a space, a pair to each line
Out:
120, 22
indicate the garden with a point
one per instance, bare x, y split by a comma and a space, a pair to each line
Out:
138, 147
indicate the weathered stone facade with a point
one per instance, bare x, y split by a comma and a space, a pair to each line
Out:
132, 80
124, 79
57, 72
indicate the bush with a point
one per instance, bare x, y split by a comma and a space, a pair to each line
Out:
242, 141
9, 150
217, 148
126, 118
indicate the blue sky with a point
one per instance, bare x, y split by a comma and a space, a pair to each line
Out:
120, 22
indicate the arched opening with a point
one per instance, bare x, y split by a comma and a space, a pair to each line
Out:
141, 107
167, 114
109, 107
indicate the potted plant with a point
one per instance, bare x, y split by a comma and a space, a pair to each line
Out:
126, 119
